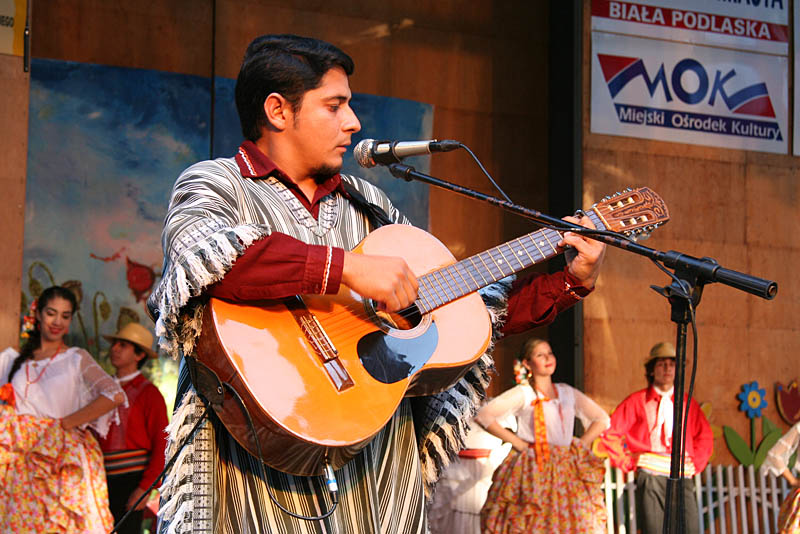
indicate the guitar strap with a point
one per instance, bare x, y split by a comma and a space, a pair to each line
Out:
376, 216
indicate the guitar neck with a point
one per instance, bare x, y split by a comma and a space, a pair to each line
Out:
445, 285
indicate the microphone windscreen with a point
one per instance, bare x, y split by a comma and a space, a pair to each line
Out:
362, 153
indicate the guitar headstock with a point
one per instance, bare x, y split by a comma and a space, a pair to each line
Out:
633, 212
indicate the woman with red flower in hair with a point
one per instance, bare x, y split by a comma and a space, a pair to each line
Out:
51, 467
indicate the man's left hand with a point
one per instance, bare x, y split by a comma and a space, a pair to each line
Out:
138, 492
586, 255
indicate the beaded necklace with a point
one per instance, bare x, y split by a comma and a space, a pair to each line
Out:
28, 380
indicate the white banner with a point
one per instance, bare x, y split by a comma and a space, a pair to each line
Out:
754, 25
689, 94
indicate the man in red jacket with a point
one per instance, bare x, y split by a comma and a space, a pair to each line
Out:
134, 449
645, 419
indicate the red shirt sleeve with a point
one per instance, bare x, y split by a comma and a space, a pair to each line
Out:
630, 420
155, 418
535, 300
280, 266
702, 438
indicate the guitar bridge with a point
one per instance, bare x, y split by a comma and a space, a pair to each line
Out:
323, 346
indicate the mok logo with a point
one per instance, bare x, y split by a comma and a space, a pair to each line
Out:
710, 87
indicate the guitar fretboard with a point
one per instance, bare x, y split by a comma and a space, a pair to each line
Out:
439, 287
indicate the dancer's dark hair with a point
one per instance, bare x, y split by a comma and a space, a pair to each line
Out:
35, 337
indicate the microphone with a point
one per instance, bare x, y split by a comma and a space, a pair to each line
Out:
370, 152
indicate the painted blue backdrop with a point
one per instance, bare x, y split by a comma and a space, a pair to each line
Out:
105, 146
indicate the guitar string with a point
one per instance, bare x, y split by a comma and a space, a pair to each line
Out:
338, 325
433, 293
443, 293
438, 294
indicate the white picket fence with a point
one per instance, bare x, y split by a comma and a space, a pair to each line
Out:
730, 500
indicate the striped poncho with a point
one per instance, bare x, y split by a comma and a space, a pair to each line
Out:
214, 215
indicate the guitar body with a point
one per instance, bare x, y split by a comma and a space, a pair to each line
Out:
310, 404
321, 375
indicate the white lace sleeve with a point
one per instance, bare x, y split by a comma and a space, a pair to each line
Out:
6, 359
588, 411
505, 404
778, 456
97, 382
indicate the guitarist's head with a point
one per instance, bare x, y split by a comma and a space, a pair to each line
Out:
293, 96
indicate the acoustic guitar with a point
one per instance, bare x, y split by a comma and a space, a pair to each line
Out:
321, 374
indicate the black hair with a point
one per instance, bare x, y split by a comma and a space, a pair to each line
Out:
139, 351
35, 337
285, 64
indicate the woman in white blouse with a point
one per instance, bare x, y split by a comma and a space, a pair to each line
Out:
51, 467
550, 481
777, 462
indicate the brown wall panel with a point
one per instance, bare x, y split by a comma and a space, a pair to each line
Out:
14, 148
170, 35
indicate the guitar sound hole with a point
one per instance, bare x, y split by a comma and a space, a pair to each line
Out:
405, 319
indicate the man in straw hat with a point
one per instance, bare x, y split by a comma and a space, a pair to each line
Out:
133, 450
645, 420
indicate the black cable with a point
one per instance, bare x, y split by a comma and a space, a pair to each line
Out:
163, 471
330, 480
568, 227
489, 176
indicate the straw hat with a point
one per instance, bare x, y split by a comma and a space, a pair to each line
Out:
136, 334
665, 349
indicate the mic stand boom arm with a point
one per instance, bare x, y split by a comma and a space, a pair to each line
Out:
707, 269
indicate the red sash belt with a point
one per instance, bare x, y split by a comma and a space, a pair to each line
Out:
474, 453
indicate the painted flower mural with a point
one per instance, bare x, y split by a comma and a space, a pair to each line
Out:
753, 399
788, 401
140, 279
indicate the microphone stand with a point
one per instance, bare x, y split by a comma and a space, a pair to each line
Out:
690, 276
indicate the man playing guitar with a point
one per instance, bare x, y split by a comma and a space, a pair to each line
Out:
278, 220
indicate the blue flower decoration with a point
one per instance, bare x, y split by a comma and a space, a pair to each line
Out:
753, 399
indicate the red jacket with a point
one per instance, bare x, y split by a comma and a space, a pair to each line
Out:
142, 426
630, 420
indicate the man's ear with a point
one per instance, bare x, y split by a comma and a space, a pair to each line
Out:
277, 110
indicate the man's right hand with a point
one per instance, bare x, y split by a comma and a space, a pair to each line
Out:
385, 279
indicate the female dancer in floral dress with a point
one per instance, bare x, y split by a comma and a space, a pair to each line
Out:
550, 481
777, 462
51, 467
